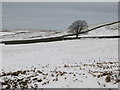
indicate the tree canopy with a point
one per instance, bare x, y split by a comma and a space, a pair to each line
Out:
78, 26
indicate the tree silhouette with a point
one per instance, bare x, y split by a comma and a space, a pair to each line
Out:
78, 26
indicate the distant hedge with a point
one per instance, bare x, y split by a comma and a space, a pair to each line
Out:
53, 39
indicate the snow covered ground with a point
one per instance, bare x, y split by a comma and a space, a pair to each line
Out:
72, 58
111, 30
62, 51
29, 34
88, 63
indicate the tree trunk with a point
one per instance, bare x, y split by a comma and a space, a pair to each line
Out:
77, 36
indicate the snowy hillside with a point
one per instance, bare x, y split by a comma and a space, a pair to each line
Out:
28, 34
82, 63
111, 30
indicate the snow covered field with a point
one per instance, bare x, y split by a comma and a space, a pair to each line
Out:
111, 30
62, 51
88, 63
72, 58
28, 34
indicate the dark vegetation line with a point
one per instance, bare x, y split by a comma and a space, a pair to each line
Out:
53, 39
95, 28
64, 37
101, 26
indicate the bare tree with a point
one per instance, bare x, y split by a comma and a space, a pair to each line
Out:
78, 26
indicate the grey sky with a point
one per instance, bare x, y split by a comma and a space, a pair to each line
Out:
56, 15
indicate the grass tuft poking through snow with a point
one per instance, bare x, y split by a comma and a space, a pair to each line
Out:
97, 74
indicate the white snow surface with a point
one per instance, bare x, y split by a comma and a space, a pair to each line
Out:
16, 56
56, 54
86, 54
111, 30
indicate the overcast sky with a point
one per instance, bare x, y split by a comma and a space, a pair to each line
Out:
56, 15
